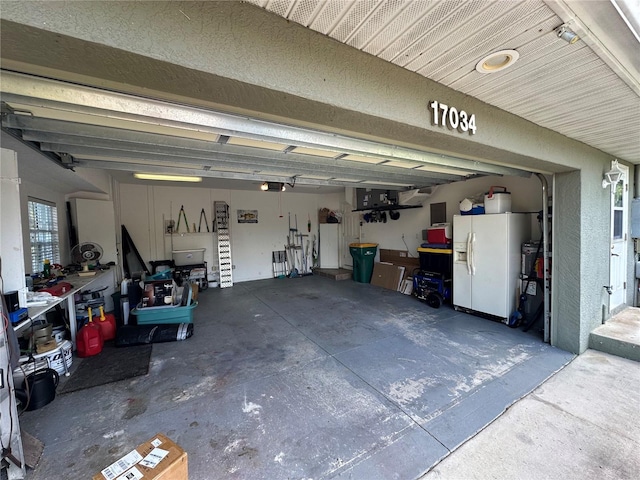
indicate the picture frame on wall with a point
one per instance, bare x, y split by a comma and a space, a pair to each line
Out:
247, 216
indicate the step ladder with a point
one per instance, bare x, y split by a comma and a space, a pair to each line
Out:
224, 244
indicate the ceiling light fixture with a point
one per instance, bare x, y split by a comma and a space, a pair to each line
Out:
272, 186
169, 178
497, 61
567, 35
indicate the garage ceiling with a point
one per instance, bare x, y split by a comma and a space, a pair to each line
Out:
588, 91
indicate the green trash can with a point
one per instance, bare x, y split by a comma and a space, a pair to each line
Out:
363, 255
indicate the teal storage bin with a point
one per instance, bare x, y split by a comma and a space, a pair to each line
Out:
162, 315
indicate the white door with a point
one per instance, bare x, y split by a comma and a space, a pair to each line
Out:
462, 274
350, 234
619, 239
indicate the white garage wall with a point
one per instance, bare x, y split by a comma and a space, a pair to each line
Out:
143, 211
252, 244
526, 196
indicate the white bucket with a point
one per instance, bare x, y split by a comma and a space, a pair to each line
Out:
58, 356
52, 359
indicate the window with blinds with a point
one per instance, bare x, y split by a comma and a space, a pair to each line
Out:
43, 233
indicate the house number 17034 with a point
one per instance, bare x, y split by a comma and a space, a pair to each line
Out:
444, 115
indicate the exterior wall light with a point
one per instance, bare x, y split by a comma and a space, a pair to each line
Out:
613, 176
567, 35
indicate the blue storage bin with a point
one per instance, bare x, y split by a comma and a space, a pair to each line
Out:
164, 314
164, 275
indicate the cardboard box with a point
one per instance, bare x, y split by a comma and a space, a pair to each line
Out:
400, 258
157, 459
387, 275
323, 215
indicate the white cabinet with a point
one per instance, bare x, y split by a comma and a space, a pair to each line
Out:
329, 250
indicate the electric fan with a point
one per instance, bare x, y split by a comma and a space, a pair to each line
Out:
84, 254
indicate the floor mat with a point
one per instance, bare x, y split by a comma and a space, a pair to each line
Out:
111, 365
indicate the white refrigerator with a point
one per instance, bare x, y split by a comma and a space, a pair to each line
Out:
486, 261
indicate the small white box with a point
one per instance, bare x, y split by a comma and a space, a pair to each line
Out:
188, 257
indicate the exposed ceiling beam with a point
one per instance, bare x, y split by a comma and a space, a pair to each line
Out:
214, 160
258, 177
107, 137
228, 154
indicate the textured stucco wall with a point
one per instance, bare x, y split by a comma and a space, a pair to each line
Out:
581, 242
237, 57
242, 57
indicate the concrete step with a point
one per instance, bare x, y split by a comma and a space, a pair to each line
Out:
335, 273
620, 335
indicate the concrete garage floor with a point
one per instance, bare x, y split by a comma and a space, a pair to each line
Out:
303, 378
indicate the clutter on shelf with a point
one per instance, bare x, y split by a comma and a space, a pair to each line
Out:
326, 215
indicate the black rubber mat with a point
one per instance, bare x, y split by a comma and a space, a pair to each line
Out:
111, 365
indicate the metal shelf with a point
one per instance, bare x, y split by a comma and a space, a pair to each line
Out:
386, 208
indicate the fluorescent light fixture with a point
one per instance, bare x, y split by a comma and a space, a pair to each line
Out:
168, 178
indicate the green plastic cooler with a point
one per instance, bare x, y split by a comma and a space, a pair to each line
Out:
363, 255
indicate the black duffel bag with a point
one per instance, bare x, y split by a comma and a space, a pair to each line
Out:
129, 335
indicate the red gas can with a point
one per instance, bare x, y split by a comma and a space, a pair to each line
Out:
89, 341
107, 324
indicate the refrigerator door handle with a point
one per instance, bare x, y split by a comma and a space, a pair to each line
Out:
471, 253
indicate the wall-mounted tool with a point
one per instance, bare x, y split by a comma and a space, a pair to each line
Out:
182, 215
203, 215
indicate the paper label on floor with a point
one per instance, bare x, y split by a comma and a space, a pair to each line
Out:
154, 457
133, 474
122, 465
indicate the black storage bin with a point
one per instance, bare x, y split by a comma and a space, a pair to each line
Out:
436, 260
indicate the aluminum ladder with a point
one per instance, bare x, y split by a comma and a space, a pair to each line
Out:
224, 244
